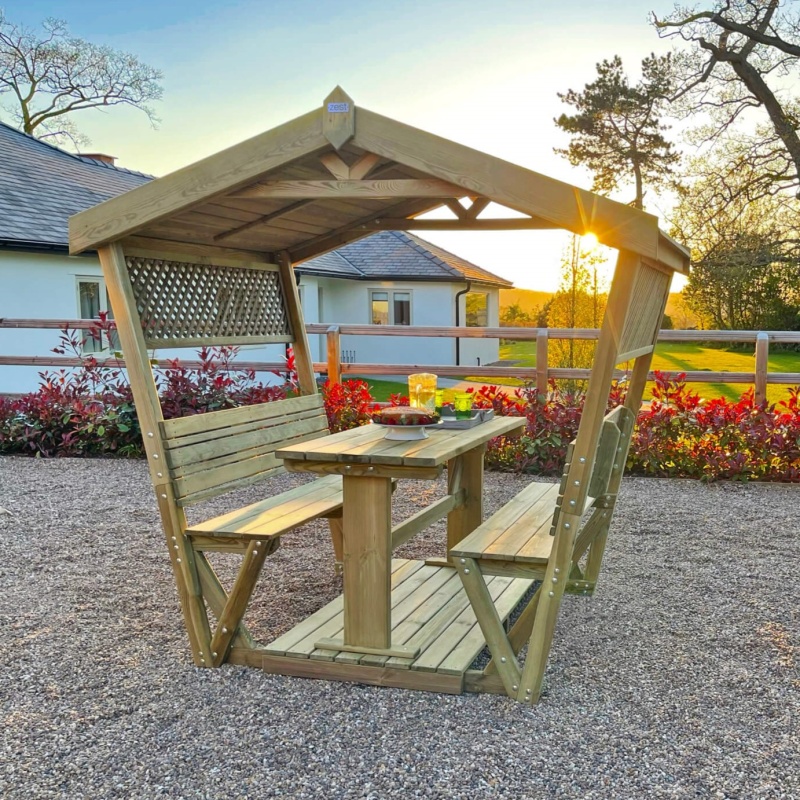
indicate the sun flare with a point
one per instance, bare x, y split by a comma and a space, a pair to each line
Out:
589, 243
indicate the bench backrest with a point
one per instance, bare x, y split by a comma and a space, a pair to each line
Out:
596, 458
609, 460
209, 454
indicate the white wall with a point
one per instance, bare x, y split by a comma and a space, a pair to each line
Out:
431, 304
481, 351
44, 286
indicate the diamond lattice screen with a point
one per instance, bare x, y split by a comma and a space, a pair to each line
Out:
184, 304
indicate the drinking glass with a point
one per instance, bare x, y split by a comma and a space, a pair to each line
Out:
463, 405
422, 391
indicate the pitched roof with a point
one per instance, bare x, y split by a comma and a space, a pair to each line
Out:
396, 255
273, 193
41, 185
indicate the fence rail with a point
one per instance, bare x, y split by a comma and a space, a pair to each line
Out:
336, 367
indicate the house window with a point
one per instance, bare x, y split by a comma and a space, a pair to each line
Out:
390, 308
477, 305
92, 299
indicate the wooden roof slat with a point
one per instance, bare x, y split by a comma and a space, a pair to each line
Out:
356, 229
371, 189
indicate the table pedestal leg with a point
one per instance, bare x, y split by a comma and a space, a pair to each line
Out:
367, 561
466, 472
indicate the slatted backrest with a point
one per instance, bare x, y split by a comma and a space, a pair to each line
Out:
612, 446
209, 454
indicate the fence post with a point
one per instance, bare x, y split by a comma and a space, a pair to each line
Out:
762, 356
334, 354
541, 361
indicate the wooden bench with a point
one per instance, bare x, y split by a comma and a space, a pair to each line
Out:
210, 454
542, 534
171, 300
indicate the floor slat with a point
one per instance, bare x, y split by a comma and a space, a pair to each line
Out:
430, 610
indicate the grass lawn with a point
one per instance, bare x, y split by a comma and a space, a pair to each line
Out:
381, 390
685, 356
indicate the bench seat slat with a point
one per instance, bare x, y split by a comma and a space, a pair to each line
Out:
279, 514
491, 530
533, 518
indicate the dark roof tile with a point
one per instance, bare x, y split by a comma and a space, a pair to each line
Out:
42, 185
396, 255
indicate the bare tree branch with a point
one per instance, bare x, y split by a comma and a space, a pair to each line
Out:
51, 75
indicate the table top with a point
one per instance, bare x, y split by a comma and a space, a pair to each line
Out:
367, 445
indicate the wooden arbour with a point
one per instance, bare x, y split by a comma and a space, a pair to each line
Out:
205, 256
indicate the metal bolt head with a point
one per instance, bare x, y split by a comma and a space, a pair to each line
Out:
577, 483
616, 466
174, 538
214, 655
160, 474
527, 691
175, 546
572, 502
556, 570
255, 552
463, 560
155, 455
466, 572
150, 434
178, 560
163, 497
566, 525
224, 630
552, 594
515, 687
503, 660
555, 580
582, 460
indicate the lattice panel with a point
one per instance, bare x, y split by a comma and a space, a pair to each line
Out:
644, 315
182, 304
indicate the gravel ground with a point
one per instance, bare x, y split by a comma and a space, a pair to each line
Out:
680, 677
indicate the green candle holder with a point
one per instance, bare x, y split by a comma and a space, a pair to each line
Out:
462, 402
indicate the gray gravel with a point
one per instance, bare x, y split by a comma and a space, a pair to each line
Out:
680, 678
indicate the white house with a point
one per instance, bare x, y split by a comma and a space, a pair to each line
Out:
390, 277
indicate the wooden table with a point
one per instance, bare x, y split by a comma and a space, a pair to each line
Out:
369, 463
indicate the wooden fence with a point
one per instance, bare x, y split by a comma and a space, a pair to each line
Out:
760, 378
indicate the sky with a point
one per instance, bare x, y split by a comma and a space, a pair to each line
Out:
485, 74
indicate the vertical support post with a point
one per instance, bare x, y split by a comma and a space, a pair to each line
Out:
148, 409
367, 521
762, 359
334, 354
560, 561
302, 355
541, 361
465, 472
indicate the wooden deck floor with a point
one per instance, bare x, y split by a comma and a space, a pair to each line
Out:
430, 611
